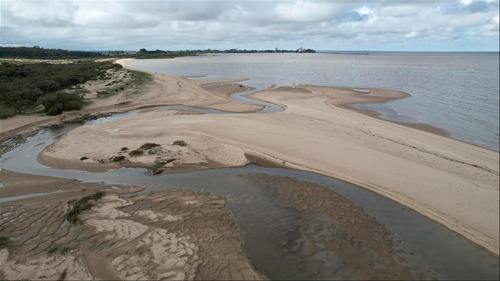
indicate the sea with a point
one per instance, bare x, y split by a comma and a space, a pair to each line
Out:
458, 92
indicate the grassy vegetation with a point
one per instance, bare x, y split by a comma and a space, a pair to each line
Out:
136, 152
81, 205
84, 158
25, 86
139, 79
149, 145
180, 143
118, 158
123, 149
158, 165
4, 242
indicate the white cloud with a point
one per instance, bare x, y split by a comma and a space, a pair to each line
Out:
197, 24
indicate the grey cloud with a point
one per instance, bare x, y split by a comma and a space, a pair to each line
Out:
207, 24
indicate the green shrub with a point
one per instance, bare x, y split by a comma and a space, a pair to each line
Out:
149, 145
52, 250
4, 242
118, 158
136, 152
81, 205
123, 149
56, 103
84, 158
180, 143
7, 112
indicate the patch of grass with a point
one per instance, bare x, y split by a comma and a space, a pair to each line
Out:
135, 153
53, 250
149, 145
139, 79
123, 149
65, 250
4, 242
157, 167
84, 158
96, 196
81, 205
118, 158
180, 143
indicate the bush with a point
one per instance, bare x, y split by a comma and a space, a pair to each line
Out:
149, 145
118, 158
136, 152
56, 103
4, 242
81, 205
180, 143
7, 112
123, 149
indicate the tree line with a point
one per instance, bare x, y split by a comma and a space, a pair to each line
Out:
37, 52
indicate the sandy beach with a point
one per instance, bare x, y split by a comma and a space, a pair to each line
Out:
452, 182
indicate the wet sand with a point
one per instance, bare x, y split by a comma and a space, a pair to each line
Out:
168, 234
334, 238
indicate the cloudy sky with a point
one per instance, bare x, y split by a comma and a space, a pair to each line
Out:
418, 25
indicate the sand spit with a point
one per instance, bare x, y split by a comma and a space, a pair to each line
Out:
447, 180
178, 235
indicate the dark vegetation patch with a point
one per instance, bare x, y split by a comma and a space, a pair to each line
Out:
4, 242
139, 79
84, 158
118, 158
157, 168
81, 205
25, 86
180, 143
136, 152
123, 149
149, 145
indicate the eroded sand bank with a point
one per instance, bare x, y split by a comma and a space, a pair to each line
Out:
447, 180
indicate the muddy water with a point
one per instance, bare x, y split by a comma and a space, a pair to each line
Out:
289, 239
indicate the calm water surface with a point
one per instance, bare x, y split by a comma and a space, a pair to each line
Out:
458, 92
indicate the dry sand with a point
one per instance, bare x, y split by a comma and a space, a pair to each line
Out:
447, 180
178, 235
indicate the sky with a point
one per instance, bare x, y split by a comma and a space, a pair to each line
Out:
384, 25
